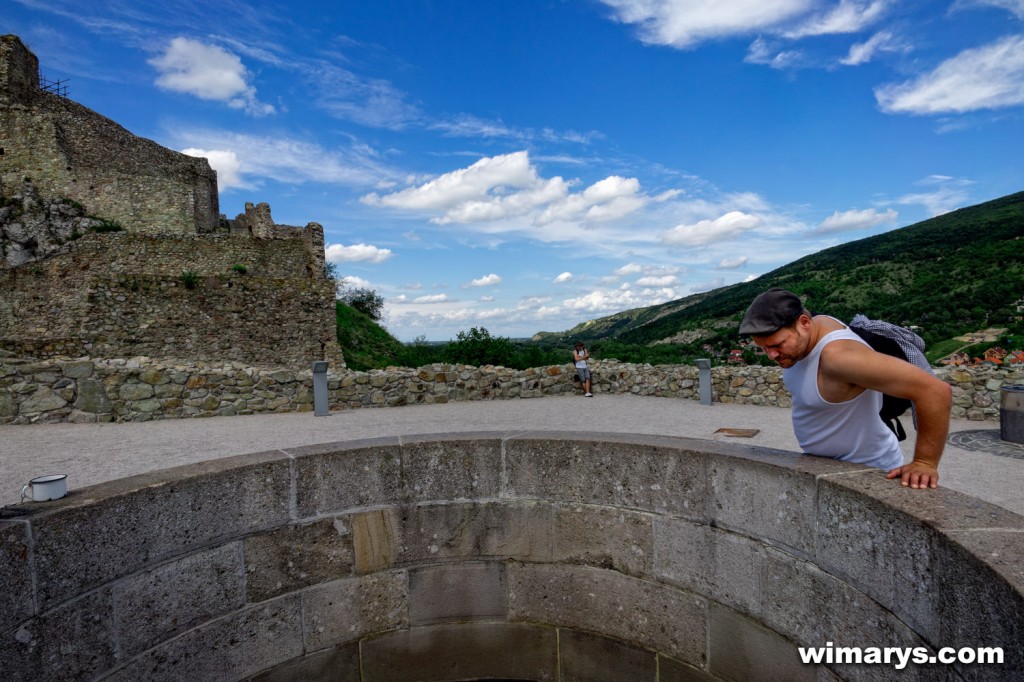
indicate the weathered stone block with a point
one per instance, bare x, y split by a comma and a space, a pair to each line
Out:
475, 531
158, 604
294, 557
333, 479
459, 468
125, 525
92, 397
740, 649
671, 670
603, 537
73, 641
340, 664
981, 578
584, 657
644, 474
135, 391
462, 592
811, 607
880, 537
78, 369
42, 400
667, 619
17, 597
8, 405
473, 651
230, 648
712, 562
352, 608
774, 499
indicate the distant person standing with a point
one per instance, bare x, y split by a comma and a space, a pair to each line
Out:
581, 355
837, 382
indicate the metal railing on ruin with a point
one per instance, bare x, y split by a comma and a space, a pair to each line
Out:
57, 87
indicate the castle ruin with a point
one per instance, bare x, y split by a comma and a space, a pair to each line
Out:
113, 246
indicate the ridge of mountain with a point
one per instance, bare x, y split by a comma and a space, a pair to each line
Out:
949, 274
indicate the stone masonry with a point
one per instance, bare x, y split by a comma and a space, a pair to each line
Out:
112, 246
72, 152
141, 389
555, 556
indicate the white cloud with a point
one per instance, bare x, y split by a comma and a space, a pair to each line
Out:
339, 253
432, 298
862, 53
849, 16
762, 51
949, 194
372, 102
458, 187
532, 302
1013, 6
486, 281
732, 263
988, 77
629, 269
354, 282
209, 72
562, 278
846, 221
729, 226
684, 23
608, 199
467, 125
608, 301
662, 281
286, 160
508, 186
227, 165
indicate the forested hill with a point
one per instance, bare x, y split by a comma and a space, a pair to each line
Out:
955, 273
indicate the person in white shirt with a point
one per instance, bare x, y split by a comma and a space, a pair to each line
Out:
837, 382
580, 355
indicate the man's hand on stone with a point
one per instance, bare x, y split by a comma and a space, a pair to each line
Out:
916, 475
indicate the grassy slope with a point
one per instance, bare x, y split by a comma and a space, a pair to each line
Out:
365, 343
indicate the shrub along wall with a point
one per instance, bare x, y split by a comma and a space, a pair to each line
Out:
140, 389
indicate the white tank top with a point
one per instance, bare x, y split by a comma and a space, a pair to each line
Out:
850, 431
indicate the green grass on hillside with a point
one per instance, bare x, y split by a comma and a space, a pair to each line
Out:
366, 344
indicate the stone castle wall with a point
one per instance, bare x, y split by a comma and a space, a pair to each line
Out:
70, 151
255, 292
122, 294
141, 389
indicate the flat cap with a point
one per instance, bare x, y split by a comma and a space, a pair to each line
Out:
770, 312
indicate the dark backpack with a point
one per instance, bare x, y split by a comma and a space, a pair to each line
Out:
892, 407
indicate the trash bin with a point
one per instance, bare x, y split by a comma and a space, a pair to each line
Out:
320, 408
704, 380
1011, 413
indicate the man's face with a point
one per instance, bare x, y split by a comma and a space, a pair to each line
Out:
788, 345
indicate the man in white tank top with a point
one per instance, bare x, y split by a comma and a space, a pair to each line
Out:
837, 382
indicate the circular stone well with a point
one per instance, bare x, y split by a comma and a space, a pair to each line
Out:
530, 556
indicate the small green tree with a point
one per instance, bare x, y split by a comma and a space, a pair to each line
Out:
477, 347
366, 301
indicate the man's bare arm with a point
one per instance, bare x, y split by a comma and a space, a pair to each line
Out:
932, 399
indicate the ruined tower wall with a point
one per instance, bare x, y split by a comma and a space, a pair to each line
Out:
72, 152
172, 284
123, 294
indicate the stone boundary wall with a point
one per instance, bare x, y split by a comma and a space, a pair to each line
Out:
141, 389
528, 556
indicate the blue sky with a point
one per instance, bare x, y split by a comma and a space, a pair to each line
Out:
526, 165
